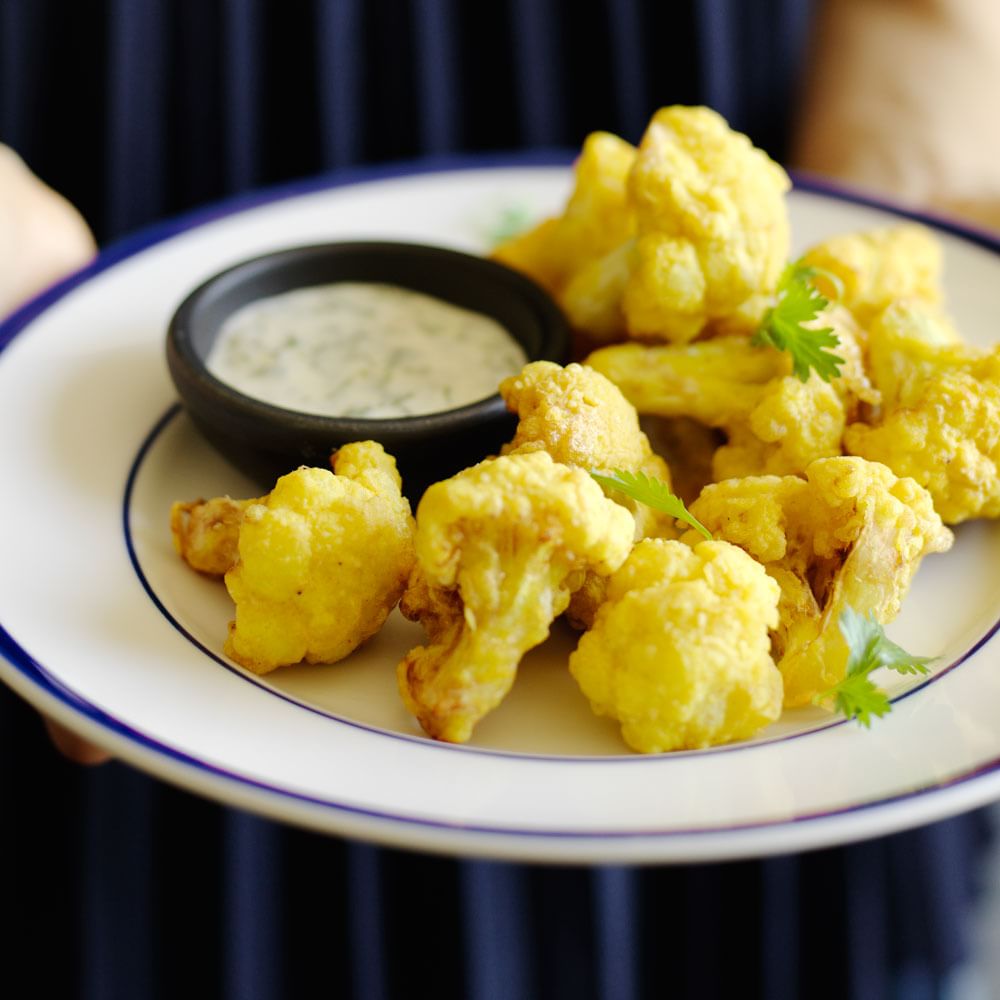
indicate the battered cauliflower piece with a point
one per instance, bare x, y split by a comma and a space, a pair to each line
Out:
854, 386
909, 341
206, 532
323, 559
596, 218
500, 548
940, 419
715, 382
775, 424
592, 298
849, 533
794, 423
679, 653
689, 231
580, 418
712, 225
576, 415
879, 266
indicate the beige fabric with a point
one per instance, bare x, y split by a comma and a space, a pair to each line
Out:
42, 237
903, 98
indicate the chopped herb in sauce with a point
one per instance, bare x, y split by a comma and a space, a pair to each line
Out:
358, 349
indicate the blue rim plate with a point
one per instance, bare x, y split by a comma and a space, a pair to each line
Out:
103, 629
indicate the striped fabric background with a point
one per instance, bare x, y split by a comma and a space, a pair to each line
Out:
114, 886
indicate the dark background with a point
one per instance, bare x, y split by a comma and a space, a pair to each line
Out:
137, 109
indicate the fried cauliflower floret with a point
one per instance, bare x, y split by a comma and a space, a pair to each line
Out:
596, 218
850, 533
775, 424
689, 231
323, 559
206, 532
793, 424
679, 652
592, 298
940, 418
712, 225
500, 548
576, 415
580, 418
853, 385
713, 381
910, 341
879, 266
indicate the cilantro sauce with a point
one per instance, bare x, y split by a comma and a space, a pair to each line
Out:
358, 349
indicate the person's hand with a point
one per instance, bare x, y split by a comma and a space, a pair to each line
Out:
901, 100
42, 239
74, 747
42, 236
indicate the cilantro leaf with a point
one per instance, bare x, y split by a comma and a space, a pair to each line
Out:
653, 493
511, 221
869, 648
857, 697
799, 302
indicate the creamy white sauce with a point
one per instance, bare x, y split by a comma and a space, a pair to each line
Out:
358, 349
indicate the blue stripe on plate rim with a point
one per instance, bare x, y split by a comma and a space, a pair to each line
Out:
38, 677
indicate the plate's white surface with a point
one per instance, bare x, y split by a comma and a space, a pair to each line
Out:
105, 629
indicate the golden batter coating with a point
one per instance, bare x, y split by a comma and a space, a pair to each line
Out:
879, 266
849, 533
323, 559
206, 533
580, 418
940, 418
689, 231
500, 549
679, 652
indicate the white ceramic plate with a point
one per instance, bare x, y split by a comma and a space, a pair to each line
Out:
106, 630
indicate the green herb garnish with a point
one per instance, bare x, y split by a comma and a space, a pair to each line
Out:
856, 696
798, 302
653, 493
510, 222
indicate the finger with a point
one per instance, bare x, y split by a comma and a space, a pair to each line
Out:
74, 747
42, 236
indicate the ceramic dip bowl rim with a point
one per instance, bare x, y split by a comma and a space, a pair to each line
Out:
540, 328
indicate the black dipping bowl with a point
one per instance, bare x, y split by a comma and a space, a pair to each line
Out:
267, 441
